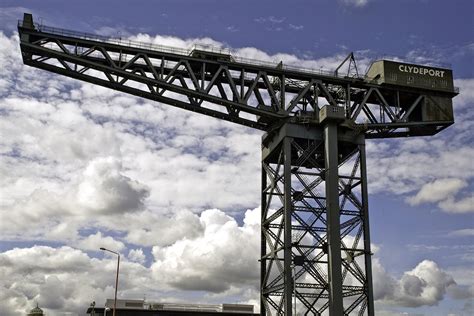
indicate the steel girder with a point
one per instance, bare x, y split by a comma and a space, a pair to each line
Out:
247, 92
315, 252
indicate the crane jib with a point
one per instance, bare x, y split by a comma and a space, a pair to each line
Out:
251, 93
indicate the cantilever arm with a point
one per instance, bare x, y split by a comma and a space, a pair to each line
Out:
214, 83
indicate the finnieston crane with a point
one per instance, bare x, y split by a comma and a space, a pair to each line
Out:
315, 239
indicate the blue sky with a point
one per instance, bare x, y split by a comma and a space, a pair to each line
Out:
181, 200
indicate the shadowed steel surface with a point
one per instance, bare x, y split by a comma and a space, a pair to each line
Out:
314, 180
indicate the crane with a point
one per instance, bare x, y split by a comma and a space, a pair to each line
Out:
315, 237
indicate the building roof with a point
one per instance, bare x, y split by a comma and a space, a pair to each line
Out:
151, 312
141, 307
36, 311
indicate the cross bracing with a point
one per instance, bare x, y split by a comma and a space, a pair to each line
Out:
295, 225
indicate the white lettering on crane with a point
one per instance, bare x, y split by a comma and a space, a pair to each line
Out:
421, 70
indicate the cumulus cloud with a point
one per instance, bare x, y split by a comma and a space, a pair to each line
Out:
443, 192
101, 190
62, 280
45, 259
384, 284
96, 241
425, 285
424, 166
225, 255
149, 229
466, 95
222, 260
437, 191
104, 189
137, 255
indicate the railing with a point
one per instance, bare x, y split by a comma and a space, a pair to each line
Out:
179, 51
185, 307
413, 60
210, 49
276, 64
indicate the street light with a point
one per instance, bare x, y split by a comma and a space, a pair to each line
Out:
116, 278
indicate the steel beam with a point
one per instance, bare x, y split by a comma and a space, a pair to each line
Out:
365, 218
333, 218
288, 209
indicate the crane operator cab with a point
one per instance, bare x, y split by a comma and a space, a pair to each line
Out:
433, 104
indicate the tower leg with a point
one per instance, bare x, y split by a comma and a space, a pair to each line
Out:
365, 217
263, 245
288, 209
315, 257
333, 219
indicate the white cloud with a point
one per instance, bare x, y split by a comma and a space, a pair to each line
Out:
223, 261
224, 256
232, 28
96, 241
270, 19
105, 190
464, 205
102, 190
384, 284
443, 192
439, 169
467, 232
425, 285
296, 27
466, 95
148, 229
137, 255
9, 17
355, 3
437, 191
61, 280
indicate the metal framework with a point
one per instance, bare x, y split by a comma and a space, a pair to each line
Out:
315, 229
314, 208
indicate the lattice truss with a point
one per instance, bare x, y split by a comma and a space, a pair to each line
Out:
248, 92
308, 244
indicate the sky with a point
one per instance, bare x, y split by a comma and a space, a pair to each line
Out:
177, 193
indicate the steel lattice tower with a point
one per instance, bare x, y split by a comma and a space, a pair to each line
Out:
314, 208
315, 251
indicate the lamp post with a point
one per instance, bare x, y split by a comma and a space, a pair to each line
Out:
116, 277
